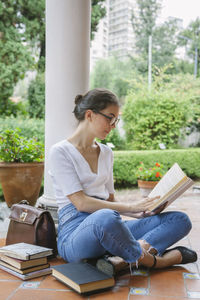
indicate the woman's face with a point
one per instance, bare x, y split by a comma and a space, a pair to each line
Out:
105, 120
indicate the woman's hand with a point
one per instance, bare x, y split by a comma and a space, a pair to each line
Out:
159, 209
140, 215
143, 206
147, 213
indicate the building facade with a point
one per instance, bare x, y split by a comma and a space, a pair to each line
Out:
121, 36
99, 45
115, 32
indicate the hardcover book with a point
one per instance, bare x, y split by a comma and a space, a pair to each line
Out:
173, 184
28, 275
23, 264
25, 271
82, 277
25, 251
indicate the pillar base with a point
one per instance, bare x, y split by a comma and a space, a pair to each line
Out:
50, 205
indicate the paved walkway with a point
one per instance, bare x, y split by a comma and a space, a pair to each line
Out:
175, 283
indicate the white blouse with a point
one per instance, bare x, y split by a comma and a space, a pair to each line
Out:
71, 172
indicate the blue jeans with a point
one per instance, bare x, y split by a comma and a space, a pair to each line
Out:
83, 235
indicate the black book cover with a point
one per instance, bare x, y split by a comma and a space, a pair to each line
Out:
83, 277
81, 272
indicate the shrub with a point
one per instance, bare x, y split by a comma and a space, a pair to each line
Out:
194, 120
16, 148
126, 163
9, 108
153, 118
36, 97
29, 127
115, 138
186, 86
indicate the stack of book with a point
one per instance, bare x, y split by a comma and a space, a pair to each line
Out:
25, 261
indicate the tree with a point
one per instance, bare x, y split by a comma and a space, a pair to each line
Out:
36, 97
98, 12
32, 23
15, 57
113, 74
163, 36
191, 37
33, 20
22, 30
165, 42
144, 22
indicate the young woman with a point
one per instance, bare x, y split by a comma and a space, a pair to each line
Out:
89, 218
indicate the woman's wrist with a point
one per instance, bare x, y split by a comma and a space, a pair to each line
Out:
125, 207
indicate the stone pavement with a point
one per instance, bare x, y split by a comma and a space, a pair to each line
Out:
175, 283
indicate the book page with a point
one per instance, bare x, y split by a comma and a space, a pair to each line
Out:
174, 179
169, 180
174, 195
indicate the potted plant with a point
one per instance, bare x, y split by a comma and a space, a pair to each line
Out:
148, 177
21, 167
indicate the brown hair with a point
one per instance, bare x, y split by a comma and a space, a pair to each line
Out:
96, 100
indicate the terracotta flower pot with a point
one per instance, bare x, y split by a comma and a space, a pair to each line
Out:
146, 186
21, 181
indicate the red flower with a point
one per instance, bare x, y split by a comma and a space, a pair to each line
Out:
158, 174
157, 164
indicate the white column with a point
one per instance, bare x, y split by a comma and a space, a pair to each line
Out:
67, 73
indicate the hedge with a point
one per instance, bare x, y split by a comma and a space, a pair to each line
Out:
125, 163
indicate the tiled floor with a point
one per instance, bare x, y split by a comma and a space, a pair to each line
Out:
175, 283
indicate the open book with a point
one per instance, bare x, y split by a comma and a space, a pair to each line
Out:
173, 184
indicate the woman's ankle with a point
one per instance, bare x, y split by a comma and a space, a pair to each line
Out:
147, 259
146, 246
167, 260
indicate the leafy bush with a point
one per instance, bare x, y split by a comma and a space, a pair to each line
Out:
153, 118
126, 163
194, 120
36, 97
115, 138
16, 148
9, 108
29, 127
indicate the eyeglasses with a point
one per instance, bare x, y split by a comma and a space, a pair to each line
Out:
113, 120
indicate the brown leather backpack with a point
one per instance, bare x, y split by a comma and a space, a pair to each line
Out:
31, 225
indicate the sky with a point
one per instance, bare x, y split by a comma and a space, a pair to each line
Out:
188, 10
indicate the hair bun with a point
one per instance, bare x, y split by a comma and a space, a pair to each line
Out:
78, 99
